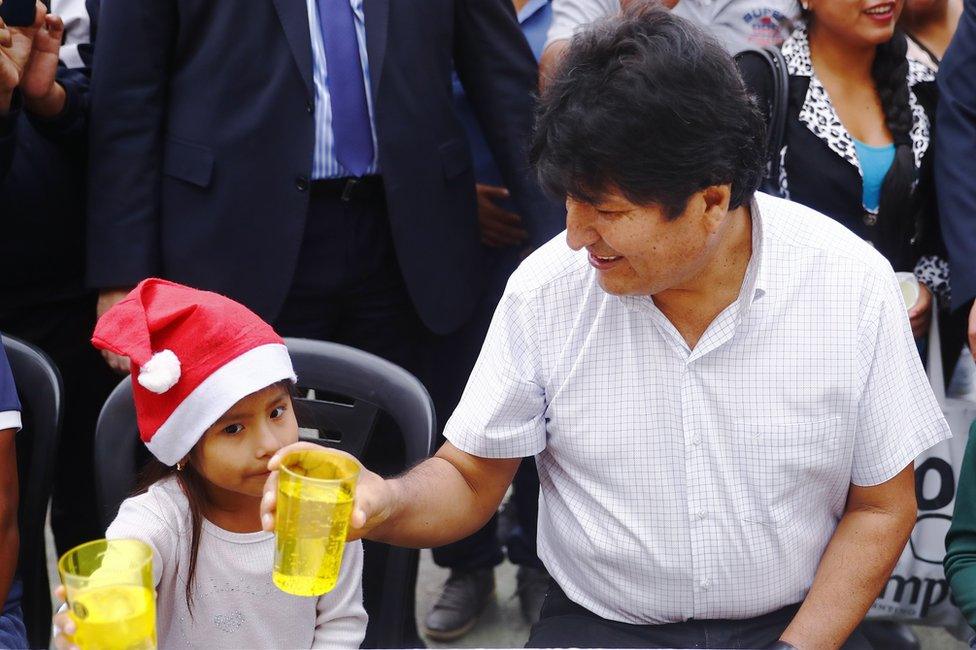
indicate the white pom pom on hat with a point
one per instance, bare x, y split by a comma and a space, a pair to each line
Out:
161, 372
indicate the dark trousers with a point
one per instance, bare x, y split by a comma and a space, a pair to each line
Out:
448, 361
564, 624
348, 289
953, 335
62, 328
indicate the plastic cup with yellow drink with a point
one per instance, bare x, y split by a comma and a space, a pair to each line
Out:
315, 497
110, 594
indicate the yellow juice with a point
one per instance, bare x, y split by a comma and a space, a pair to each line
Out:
118, 617
311, 535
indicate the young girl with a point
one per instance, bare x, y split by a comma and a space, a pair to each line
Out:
211, 384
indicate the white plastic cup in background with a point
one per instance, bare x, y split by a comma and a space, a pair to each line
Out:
909, 288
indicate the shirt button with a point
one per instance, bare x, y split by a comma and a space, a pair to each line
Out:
696, 440
301, 183
705, 583
702, 514
309, 107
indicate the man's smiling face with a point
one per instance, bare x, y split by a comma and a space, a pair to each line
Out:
637, 249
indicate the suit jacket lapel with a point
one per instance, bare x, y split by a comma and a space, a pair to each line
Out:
376, 13
293, 15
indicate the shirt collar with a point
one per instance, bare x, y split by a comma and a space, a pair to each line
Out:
796, 53
531, 8
755, 282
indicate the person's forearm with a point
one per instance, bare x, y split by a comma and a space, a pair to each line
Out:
9, 547
859, 559
434, 505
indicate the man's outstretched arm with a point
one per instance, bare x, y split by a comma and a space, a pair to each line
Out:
441, 500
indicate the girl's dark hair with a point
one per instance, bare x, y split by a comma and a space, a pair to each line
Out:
192, 483
646, 103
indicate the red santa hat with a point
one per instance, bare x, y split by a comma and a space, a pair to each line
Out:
193, 354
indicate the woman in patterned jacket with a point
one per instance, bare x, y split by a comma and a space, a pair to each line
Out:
856, 144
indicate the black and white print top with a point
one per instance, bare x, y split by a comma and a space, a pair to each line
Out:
819, 166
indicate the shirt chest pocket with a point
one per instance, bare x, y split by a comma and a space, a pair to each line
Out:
786, 467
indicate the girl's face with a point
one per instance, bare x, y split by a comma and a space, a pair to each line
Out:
862, 22
233, 454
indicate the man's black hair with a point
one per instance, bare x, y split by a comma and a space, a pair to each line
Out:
647, 104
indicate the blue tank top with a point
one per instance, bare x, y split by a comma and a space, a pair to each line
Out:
875, 163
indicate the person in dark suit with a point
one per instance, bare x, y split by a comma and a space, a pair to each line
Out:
306, 159
43, 298
470, 585
955, 166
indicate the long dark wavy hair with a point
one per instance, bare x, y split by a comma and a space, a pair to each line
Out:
899, 217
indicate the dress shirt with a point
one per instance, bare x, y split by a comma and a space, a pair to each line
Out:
76, 51
737, 24
702, 483
324, 163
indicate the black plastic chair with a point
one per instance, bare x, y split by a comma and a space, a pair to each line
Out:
341, 393
41, 397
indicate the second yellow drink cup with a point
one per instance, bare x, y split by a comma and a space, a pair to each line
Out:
315, 496
111, 597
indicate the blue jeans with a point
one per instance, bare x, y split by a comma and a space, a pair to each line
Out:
12, 631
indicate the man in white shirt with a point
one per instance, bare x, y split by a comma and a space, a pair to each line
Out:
721, 389
737, 24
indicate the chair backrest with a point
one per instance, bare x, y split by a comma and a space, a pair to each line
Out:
341, 392
41, 396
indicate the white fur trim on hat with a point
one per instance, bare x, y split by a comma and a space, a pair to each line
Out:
161, 372
252, 371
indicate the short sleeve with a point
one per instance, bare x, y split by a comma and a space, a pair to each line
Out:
898, 415
9, 403
502, 410
569, 16
140, 517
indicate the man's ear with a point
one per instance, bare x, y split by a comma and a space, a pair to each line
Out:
716, 205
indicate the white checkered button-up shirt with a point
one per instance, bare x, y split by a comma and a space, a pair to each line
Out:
702, 483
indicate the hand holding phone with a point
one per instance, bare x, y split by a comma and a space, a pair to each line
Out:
18, 13
16, 43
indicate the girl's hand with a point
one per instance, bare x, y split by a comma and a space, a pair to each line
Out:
373, 502
920, 315
63, 624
